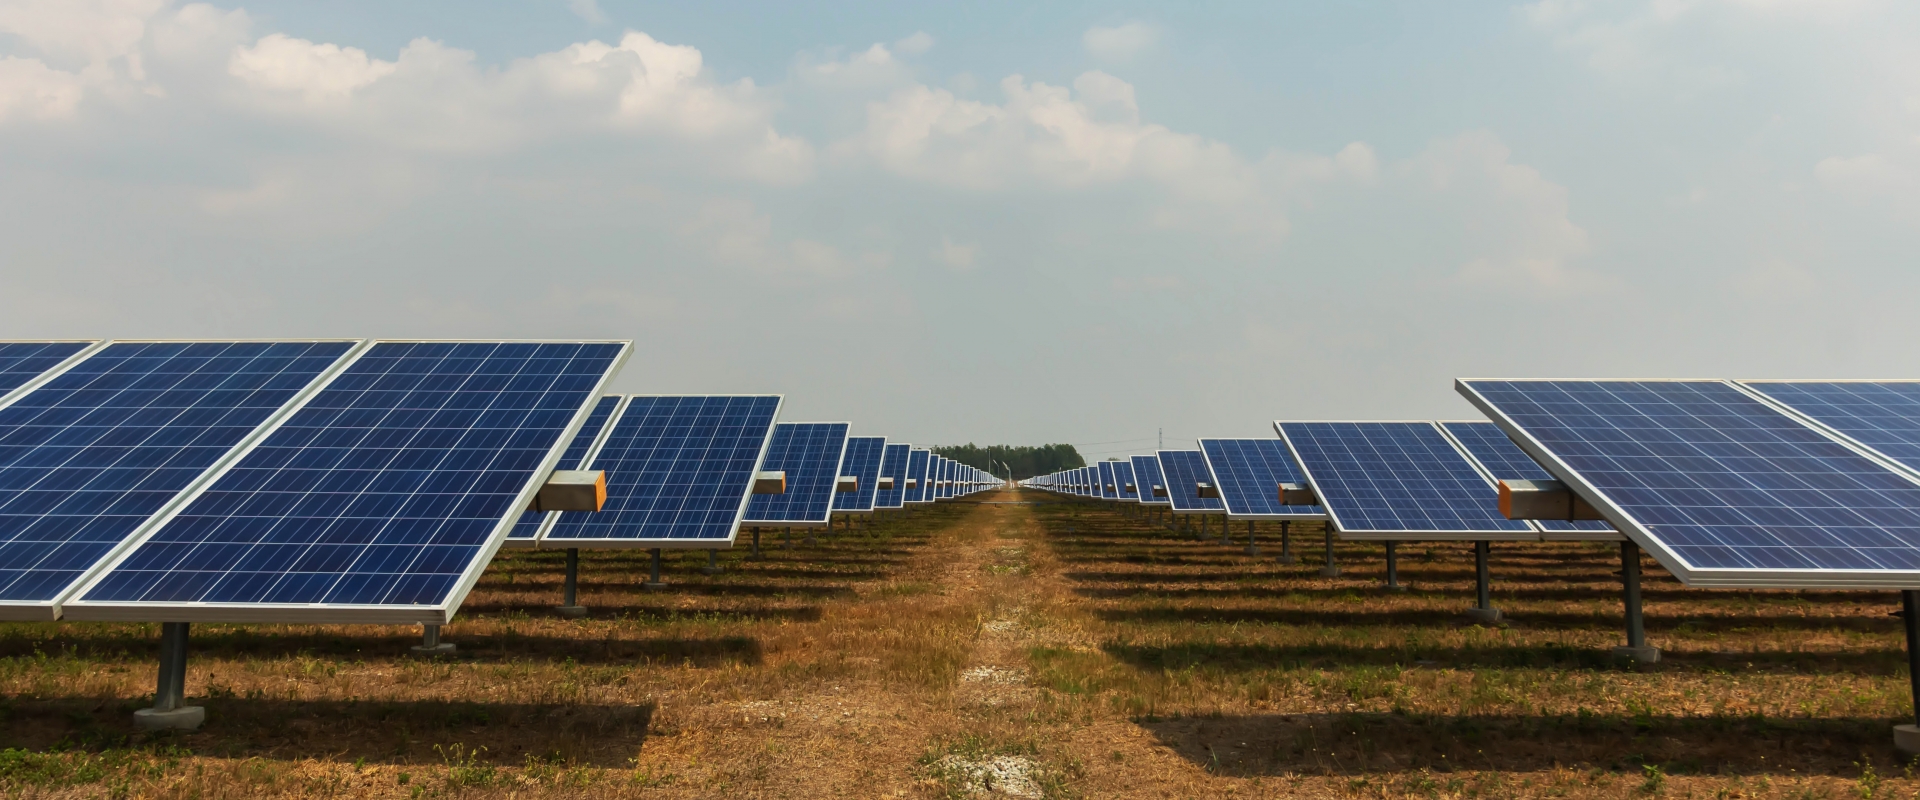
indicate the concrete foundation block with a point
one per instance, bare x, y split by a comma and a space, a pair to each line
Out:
441, 649
1906, 739
1644, 655
1330, 572
570, 612
1484, 616
184, 718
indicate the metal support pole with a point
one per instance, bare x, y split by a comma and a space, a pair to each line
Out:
713, 563
169, 711
1393, 567
430, 644
1331, 569
1253, 547
1226, 534
756, 546
786, 538
1286, 542
654, 583
1483, 610
569, 591
1637, 647
1906, 738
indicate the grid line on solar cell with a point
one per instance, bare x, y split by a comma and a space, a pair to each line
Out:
1882, 417
1485, 443
94, 455
1725, 489
1184, 470
1249, 472
1146, 471
1122, 478
810, 454
526, 530
379, 498
893, 464
917, 460
679, 472
862, 461
21, 362
1404, 479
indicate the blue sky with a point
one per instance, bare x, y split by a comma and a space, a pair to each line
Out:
992, 222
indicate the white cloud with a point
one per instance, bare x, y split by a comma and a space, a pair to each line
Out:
1119, 42
1861, 175
32, 90
957, 256
94, 30
919, 42
318, 72
588, 10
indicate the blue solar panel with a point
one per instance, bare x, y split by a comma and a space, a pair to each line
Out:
1882, 416
1146, 473
1123, 480
1725, 489
917, 464
679, 469
381, 498
1184, 471
1249, 473
1105, 488
1402, 479
90, 456
1504, 460
862, 461
810, 453
21, 362
894, 465
527, 529
942, 472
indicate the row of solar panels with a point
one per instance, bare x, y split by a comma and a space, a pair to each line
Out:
346, 480
1728, 483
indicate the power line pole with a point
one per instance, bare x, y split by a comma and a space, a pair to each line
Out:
1163, 439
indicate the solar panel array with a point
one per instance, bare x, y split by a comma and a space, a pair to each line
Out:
810, 454
893, 465
918, 462
379, 499
1398, 480
1249, 472
1109, 489
679, 469
862, 461
1500, 457
21, 362
526, 530
1123, 479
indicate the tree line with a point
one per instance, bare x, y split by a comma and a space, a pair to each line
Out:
1025, 460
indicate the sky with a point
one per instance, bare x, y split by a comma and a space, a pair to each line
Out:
997, 222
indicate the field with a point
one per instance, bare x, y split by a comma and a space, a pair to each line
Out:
1047, 649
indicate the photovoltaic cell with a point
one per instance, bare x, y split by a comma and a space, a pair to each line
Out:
1723, 488
1122, 478
862, 461
917, 471
1109, 489
1249, 473
379, 499
1184, 471
1487, 444
1146, 472
91, 456
21, 362
894, 465
679, 468
1883, 416
809, 452
527, 529
1401, 479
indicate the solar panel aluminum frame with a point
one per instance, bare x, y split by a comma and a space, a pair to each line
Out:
1733, 578
1532, 534
1545, 534
333, 613
46, 611
1231, 514
600, 442
93, 346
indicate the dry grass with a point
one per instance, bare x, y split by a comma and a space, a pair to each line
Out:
1056, 649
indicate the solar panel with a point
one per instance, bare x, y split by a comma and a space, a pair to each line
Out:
1398, 480
1723, 488
1185, 470
379, 500
93, 456
21, 362
1123, 481
943, 480
894, 465
1106, 489
917, 461
1249, 472
862, 461
1881, 416
810, 453
1146, 473
526, 531
679, 470
1504, 460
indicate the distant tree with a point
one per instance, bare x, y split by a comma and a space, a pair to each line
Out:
1026, 460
